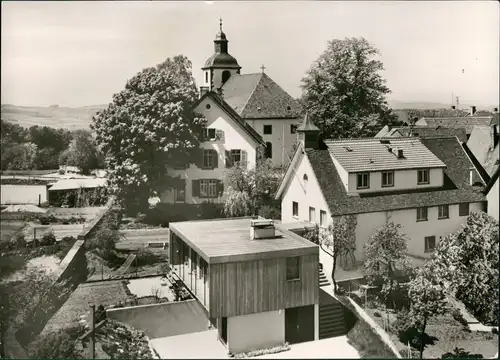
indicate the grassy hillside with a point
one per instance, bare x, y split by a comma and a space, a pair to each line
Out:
53, 116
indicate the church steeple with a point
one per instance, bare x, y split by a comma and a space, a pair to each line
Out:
220, 66
308, 133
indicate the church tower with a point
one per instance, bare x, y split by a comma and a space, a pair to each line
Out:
220, 66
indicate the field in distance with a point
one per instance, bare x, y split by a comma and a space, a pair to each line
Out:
52, 116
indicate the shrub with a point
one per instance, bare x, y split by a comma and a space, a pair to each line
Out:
48, 219
68, 239
457, 315
270, 212
377, 314
61, 344
100, 314
406, 329
460, 353
44, 205
48, 239
145, 257
19, 240
104, 239
111, 258
209, 210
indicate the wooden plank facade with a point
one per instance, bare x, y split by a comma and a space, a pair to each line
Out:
258, 286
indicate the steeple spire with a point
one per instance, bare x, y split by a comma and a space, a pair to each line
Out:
220, 24
308, 133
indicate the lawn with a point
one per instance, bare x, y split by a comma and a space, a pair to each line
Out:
9, 229
104, 293
447, 333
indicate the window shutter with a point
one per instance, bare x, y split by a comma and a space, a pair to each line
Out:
228, 159
215, 159
219, 134
244, 157
220, 187
195, 188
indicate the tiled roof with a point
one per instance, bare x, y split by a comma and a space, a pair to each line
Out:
456, 184
423, 131
356, 155
467, 122
230, 111
256, 96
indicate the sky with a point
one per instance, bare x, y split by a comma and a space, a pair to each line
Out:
81, 53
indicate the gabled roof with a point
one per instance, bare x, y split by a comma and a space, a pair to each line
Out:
456, 189
233, 114
467, 122
307, 124
257, 96
482, 144
356, 155
422, 131
492, 182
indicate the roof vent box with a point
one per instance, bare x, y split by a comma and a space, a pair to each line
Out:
400, 154
262, 229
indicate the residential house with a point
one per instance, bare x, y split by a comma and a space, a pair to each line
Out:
491, 192
427, 185
422, 131
258, 283
257, 99
227, 140
483, 144
467, 122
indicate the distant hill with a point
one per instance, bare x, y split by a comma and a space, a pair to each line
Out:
395, 104
52, 116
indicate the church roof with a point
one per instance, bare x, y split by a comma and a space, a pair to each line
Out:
257, 96
222, 60
307, 124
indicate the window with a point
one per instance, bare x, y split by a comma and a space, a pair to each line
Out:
463, 209
363, 181
208, 188
423, 177
293, 129
208, 106
295, 209
235, 156
209, 134
443, 212
293, 268
422, 214
387, 178
430, 243
322, 218
180, 194
268, 129
206, 77
269, 150
207, 159
312, 214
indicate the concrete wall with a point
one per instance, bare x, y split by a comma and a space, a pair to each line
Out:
255, 331
493, 201
416, 231
165, 319
234, 138
403, 179
281, 137
305, 194
23, 194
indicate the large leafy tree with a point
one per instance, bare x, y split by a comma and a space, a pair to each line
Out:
344, 91
82, 152
427, 299
149, 126
386, 261
467, 263
247, 190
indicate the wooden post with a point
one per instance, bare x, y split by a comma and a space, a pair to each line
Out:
92, 310
39, 199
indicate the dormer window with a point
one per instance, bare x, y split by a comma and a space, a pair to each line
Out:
363, 181
423, 177
208, 134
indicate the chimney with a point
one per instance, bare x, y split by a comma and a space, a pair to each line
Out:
472, 110
400, 154
203, 90
453, 107
472, 176
262, 229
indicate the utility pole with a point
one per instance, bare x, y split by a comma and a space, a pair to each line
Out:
92, 312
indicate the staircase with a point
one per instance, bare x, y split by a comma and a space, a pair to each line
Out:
331, 320
323, 280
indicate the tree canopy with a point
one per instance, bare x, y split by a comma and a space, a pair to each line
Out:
149, 126
344, 91
82, 152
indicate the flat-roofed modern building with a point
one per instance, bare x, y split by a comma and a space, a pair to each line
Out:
258, 283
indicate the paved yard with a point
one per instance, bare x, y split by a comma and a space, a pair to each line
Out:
150, 286
333, 348
199, 345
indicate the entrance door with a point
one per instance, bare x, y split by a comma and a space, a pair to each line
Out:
299, 324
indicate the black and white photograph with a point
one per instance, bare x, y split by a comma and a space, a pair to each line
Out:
249, 179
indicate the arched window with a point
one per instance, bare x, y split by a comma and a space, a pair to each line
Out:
206, 77
269, 150
226, 74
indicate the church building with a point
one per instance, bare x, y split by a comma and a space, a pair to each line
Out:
243, 112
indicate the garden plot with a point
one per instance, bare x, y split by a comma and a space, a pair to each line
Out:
46, 264
9, 229
60, 231
139, 238
153, 286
